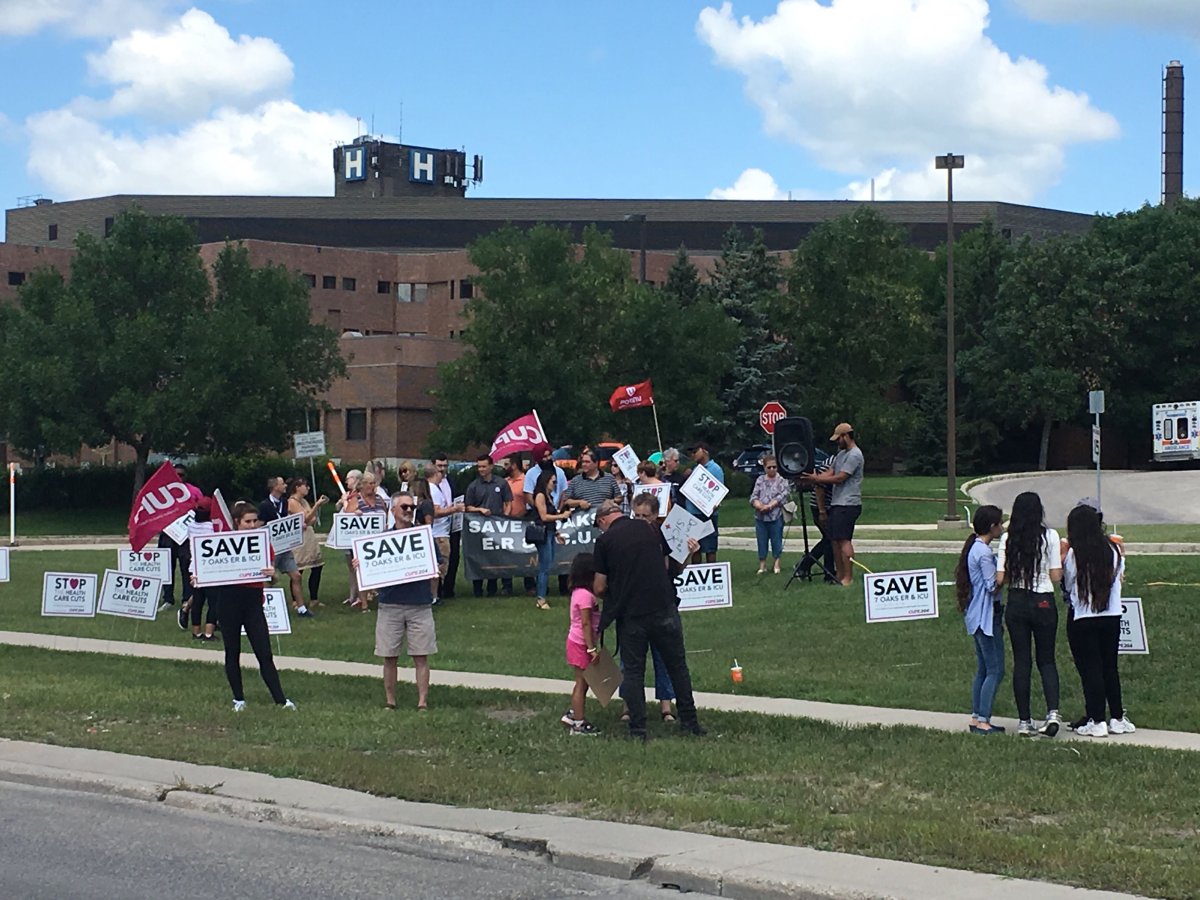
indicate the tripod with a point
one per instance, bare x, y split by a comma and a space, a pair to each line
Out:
800, 571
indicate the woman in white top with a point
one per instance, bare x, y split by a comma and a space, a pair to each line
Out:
1092, 577
1030, 563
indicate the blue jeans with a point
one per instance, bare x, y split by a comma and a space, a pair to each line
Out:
769, 531
545, 564
989, 671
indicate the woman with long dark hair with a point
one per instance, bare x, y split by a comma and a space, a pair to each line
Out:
1030, 563
549, 516
1092, 578
979, 602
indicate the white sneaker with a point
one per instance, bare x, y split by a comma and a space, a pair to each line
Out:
289, 705
239, 705
1093, 729
1121, 726
1025, 729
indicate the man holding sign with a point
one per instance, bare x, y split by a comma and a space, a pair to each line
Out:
702, 457
405, 615
275, 508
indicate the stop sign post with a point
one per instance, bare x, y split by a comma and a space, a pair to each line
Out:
771, 413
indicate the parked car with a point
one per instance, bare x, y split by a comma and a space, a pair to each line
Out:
750, 459
565, 458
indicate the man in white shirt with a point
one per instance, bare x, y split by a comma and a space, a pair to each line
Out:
444, 508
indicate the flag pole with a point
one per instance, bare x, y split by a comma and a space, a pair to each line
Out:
541, 427
657, 433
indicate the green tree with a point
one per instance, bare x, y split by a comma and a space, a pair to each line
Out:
556, 327
857, 327
746, 284
683, 283
1057, 331
134, 346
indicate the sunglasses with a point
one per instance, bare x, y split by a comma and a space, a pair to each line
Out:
771, 467
405, 506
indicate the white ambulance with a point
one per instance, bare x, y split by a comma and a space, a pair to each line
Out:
1176, 429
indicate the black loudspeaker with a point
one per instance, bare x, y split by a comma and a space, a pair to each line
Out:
794, 450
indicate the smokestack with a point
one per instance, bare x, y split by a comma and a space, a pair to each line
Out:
1172, 146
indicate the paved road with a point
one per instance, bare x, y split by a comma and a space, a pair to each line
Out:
1129, 498
59, 843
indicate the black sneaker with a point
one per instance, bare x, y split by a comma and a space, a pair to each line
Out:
1077, 724
181, 619
695, 729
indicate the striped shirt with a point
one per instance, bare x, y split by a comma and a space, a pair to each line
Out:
594, 490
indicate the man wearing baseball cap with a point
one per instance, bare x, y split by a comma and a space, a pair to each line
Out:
845, 474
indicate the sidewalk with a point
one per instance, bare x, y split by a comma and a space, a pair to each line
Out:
726, 867
835, 713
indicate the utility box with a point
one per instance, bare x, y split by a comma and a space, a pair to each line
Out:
1176, 430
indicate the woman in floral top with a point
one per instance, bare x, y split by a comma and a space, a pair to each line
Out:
769, 494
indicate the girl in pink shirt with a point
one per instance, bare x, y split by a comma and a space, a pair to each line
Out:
582, 639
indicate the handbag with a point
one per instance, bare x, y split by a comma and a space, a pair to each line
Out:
535, 533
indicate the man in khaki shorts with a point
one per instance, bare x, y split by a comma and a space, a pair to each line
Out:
405, 615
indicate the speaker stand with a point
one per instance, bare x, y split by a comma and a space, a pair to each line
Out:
799, 570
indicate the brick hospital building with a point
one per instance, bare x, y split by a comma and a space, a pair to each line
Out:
386, 263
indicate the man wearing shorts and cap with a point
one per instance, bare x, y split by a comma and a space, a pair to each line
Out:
845, 475
405, 615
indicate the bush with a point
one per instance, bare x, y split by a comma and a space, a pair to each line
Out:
96, 487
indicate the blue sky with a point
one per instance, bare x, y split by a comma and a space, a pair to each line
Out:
1054, 102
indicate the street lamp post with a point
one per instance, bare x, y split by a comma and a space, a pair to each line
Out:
950, 162
640, 218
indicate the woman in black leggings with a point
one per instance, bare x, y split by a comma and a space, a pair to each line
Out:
1030, 563
241, 606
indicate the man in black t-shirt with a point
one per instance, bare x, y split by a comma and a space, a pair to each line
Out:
631, 573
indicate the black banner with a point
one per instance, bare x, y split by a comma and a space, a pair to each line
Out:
494, 546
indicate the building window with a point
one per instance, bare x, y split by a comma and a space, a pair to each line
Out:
310, 279
384, 287
16, 279
420, 292
329, 282
356, 424
349, 284
404, 293
108, 226
52, 233
466, 290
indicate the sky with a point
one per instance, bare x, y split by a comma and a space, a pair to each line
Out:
1053, 102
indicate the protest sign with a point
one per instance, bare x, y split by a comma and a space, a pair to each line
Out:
704, 586
276, 610
603, 676
627, 461
129, 596
896, 596
4, 570
151, 563
347, 527
456, 520
1133, 628
395, 557
680, 525
230, 557
68, 594
286, 533
704, 490
494, 546
661, 492
177, 531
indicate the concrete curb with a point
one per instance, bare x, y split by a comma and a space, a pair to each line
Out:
725, 867
846, 715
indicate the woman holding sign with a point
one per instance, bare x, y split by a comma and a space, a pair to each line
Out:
547, 519
241, 606
308, 554
1092, 575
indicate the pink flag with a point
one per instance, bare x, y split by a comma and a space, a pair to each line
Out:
525, 433
221, 519
162, 500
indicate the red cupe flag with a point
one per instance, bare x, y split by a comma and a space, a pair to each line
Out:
162, 500
631, 396
525, 433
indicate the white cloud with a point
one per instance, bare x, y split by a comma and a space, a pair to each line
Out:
1167, 14
187, 68
276, 148
88, 18
752, 184
881, 86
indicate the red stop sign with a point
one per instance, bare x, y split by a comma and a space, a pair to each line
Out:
771, 413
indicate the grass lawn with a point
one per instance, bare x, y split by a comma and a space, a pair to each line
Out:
808, 642
1024, 809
